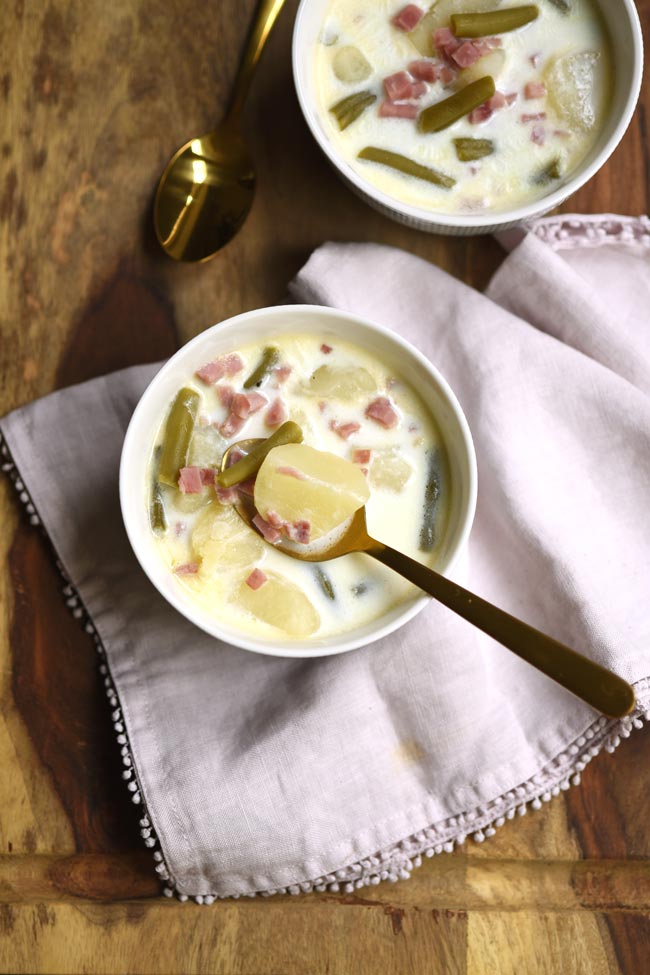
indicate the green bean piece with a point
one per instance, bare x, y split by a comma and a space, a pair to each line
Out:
493, 21
431, 498
157, 514
249, 465
443, 114
549, 173
561, 5
178, 433
270, 359
405, 165
351, 107
325, 583
470, 149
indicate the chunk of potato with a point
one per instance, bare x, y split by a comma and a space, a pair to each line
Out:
492, 64
570, 85
280, 603
350, 66
389, 470
221, 540
327, 490
344, 383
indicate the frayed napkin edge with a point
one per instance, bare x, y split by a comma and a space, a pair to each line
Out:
398, 861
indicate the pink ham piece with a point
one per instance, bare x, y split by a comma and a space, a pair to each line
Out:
227, 495
190, 480
447, 75
276, 413
300, 531
408, 17
266, 529
467, 54
396, 85
282, 373
187, 569
361, 457
225, 365
538, 135
326, 349
398, 110
207, 475
425, 70
292, 472
382, 411
225, 394
274, 519
534, 89
533, 117
247, 487
511, 98
245, 404
256, 579
498, 100
480, 114
446, 42
231, 425
344, 430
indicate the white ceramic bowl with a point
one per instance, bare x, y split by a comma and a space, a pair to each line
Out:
262, 326
624, 29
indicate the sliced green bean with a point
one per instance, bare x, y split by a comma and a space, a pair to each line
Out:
325, 583
442, 114
431, 499
157, 514
270, 359
561, 5
178, 433
493, 21
469, 149
405, 165
351, 107
549, 173
249, 465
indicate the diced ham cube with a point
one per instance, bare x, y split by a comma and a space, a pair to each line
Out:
398, 110
534, 89
447, 75
274, 519
187, 569
361, 457
227, 495
207, 475
396, 85
271, 534
292, 472
256, 579
190, 481
382, 411
344, 430
480, 114
225, 394
225, 365
466, 54
245, 404
326, 349
276, 413
179, 529
497, 101
425, 70
300, 531
282, 373
561, 134
444, 37
533, 117
231, 425
511, 97
538, 135
408, 17
247, 487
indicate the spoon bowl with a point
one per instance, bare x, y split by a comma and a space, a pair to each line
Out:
204, 195
599, 687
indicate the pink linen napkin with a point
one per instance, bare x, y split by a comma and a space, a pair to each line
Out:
261, 774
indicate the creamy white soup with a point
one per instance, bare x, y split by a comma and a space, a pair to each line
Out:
466, 105
365, 437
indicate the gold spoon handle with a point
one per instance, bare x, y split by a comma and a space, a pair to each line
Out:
589, 681
265, 17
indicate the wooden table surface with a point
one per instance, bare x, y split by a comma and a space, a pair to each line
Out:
94, 97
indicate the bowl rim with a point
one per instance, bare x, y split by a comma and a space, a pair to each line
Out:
212, 627
493, 220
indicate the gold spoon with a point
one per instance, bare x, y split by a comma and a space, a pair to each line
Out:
589, 681
207, 187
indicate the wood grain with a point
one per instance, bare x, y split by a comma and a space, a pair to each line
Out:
93, 99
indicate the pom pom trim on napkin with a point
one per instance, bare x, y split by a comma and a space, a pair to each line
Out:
397, 862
